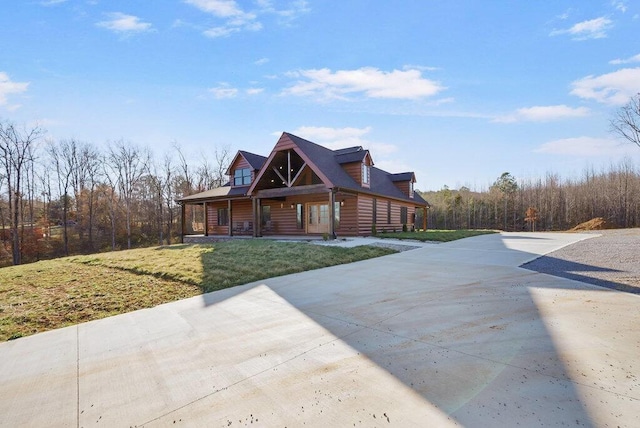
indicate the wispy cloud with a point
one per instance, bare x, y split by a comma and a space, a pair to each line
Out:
224, 91
324, 84
619, 5
262, 61
221, 8
612, 88
543, 114
632, 59
8, 87
585, 30
122, 23
234, 19
52, 2
584, 146
338, 138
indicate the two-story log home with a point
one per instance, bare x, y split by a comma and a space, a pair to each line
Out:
302, 188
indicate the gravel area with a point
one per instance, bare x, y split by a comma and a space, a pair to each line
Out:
611, 260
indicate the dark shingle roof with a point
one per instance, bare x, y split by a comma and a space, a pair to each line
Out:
351, 157
330, 165
256, 161
403, 176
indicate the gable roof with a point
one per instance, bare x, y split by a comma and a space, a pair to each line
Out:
329, 162
403, 176
256, 161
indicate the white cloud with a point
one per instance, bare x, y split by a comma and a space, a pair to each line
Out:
619, 5
124, 24
220, 8
543, 114
632, 59
217, 32
584, 146
338, 138
612, 88
52, 2
254, 91
373, 83
224, 91
7, 87
235, 18
591, 29
262, 61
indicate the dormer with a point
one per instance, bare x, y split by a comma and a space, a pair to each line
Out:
243, 168
356, 162
404, 181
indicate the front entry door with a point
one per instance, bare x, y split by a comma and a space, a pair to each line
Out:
318, 218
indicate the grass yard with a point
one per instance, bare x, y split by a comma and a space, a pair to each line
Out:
56, 293
435, 235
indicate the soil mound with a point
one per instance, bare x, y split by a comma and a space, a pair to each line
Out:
597, 223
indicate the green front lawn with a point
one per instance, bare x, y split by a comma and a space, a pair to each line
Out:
435, 235
56, 293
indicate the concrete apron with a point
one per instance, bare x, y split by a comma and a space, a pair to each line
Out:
451, 334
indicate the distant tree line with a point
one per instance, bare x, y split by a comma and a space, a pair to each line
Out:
547, 203
69, 196
551, 202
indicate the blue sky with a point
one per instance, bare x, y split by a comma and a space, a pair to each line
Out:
457, 91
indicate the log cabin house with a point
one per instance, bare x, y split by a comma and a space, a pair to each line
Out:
304, 189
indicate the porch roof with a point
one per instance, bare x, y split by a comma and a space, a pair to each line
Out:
217, 193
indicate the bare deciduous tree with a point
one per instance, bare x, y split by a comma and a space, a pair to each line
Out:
129, 163
16, 155
626, 122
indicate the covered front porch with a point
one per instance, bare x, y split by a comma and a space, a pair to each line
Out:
303, 211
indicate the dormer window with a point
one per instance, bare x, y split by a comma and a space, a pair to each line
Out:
366, 174
242, 177
411, 189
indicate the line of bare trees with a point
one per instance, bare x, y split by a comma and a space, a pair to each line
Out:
547, 203
550, 203
67, 197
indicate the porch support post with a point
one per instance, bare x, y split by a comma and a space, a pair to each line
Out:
332, 215
183, 223
424, 218
258, 216
254, 212
229, 218
206, 219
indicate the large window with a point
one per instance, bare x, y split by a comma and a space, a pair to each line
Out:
404, 215
375, 211
242, 177
336, 214
266, 215
366, 173
223, 217
300, 216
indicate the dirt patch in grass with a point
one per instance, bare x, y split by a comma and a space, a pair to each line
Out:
597, 223
62, 292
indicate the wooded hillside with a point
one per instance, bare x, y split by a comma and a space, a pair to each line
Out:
553, 202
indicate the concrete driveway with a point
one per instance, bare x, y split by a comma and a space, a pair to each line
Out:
450, 334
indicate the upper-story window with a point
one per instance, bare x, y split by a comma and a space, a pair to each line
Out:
242, 177
366, 173
411, 189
